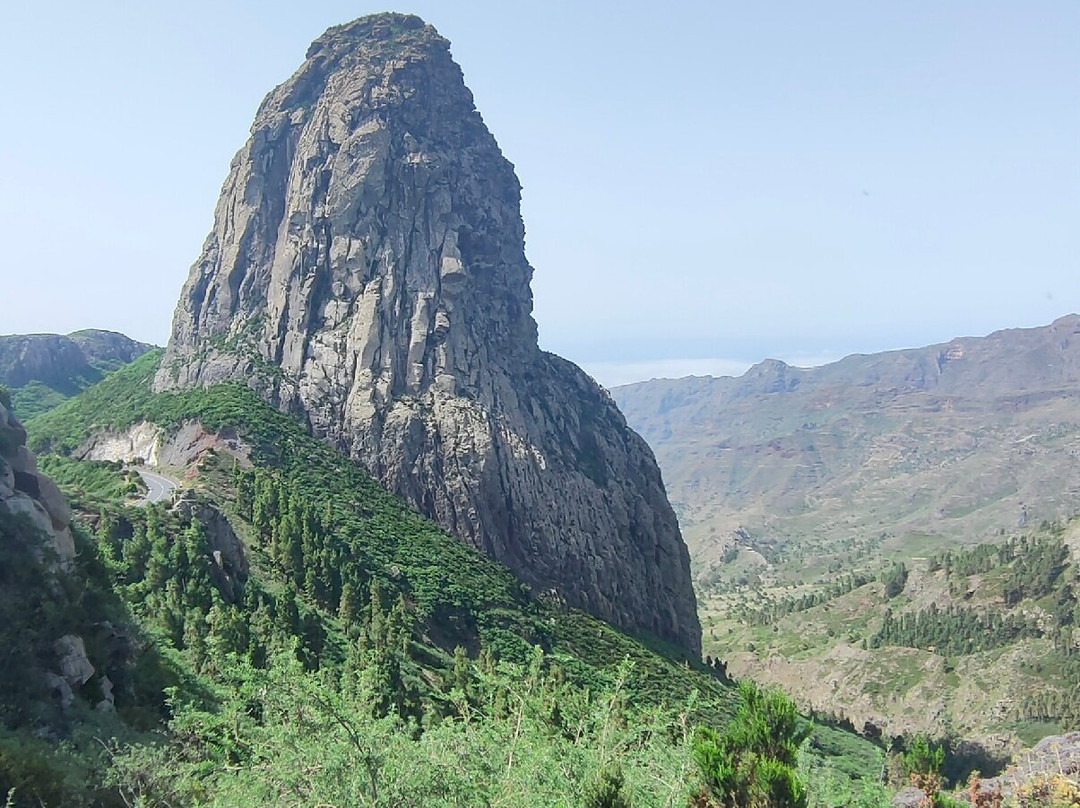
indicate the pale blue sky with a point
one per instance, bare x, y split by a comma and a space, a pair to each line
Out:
705, 184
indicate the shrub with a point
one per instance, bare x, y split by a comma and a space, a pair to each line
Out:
752, 764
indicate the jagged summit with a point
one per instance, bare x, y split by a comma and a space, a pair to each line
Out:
390, 27
366, 270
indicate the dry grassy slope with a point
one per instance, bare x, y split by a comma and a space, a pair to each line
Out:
815, 655
945, 443
890, 455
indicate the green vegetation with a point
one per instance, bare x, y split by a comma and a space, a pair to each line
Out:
773, 610
51, 368
34, 398
355, 530
894, 579
519, 738
955, 630
921, 763
1001, 619
752, 763
366, 656
87, 482
38, 605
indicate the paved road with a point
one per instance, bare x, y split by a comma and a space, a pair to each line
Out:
158, 488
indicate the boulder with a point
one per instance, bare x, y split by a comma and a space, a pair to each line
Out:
71, 656
54, 502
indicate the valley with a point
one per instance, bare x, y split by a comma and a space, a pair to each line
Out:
355, 537
801, 493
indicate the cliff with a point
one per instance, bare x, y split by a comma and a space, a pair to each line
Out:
366, 271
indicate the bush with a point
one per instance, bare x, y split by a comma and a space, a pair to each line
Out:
753, 763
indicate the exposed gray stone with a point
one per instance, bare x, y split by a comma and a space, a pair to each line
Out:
60, 689
21, 503
108, 701
54, 502
75, 667
23, 460
137, 444
7, 478
64, 545
367, 270
910, 797
226, 549
1054, 754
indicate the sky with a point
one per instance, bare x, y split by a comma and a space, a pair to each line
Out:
704, 184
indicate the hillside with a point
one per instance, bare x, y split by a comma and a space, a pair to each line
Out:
976, 643
883, 454
43, 370
285, 565
820, 506
464, 595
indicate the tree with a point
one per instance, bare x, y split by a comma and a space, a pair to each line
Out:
752, 764
922, 762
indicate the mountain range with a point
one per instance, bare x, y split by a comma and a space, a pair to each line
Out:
413, 559
826, 506
42, 370
947, 444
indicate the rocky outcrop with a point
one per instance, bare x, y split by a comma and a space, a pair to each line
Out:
44, 535
24, 491
108, 348
50, 359
1051, 769
226, 550
149, 444
75, 667
139, 443
366, 270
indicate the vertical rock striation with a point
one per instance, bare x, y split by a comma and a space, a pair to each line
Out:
24, 491
366, 270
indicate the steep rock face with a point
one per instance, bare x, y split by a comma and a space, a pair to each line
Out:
41, 533
108, 349
24, 491
367, 270
51, 359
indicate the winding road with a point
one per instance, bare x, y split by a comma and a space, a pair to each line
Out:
158, 488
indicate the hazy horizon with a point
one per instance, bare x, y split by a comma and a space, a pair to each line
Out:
704, 188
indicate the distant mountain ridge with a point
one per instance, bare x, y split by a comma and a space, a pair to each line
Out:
951, 440
42, 370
